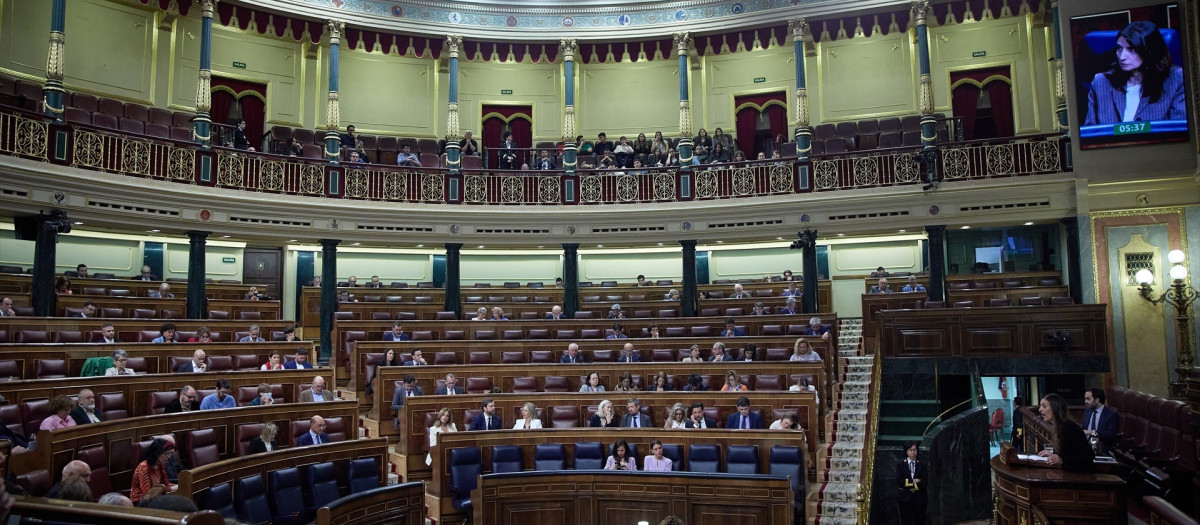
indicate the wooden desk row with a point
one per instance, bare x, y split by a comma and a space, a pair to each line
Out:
621, 498
401, 504
23, 284
1007, 332
55, 511
127, 329
438, 491
156, 356
197, 479
120, 437
366, 353
979, 297
176, 307
419, 412
1060, 496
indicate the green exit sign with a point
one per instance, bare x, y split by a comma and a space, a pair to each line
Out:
978, 54
229, 259
239, 65
505, 91
760, 80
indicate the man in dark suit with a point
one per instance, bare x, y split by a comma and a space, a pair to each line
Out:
556, 313
85, 410
629, 354
697, 419
572, 355
634, 417
186, 402
301, 361
418, 359
145, 275
731, 329
910, 486
450, 389
410, 389
1098, 419
88, 310
316, 433
6, 307
195, 364
396, 333
488, 419
744, 419
108, 334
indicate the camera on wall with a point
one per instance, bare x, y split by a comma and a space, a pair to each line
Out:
56, 222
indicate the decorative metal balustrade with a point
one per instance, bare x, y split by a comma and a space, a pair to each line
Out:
32, 136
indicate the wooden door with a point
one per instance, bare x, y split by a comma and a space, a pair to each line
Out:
264, 266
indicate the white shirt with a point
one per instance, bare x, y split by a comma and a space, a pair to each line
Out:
91, 414
112, 371
433, 433
1133, 97
534, 424
676, 424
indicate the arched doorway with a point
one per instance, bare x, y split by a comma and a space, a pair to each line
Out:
760, 118
983, 99
498, 119
233, 99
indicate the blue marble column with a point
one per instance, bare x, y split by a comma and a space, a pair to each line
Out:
570, 279
800, 34
688, 297
453, 151
202, 122
920, 10
197, 296
683, 41
808, 263
333, 141
453, 284
570, 150
52, 91
329, 300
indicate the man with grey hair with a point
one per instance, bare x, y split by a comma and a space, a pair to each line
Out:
120, 365
571, 356
816, 328
739, 293
718, 352
85, 410
163, 292
115, 499
317, 393
789, 307
255, 336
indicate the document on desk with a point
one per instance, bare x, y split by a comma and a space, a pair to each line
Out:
1034, 458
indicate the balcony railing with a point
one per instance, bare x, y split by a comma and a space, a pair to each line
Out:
32, 136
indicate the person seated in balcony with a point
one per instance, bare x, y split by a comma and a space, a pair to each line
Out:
556, 313
407, 158
345, 297
62, 286
163, 292
293, 148
396, 333
659, 147
719, 137
602, 146
317, 393
362, 152
642, 147
638, 168
881, 286
85, 411
702, 145
196, 364
583, 147
264, 397
733, 383
739, 157
186, 402
145, 274
605, 416
6, 307
529, 419
221, 398
744, 418
718, 155
789, 307
652, 330
758, 309
167, 334
879, 272
301, 361
508, 152
349, 138
572, 355
275, 362
750, 352
418, 359
239, 136
625, 383
672, 295
255, 335
544, 162
913, 285
718, 353
355, 158
670, 160
468, 145
592, 384
88, 310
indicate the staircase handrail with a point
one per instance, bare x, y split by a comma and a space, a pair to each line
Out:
977, 399
867, 474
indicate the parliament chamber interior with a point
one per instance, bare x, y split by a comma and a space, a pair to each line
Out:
781, 262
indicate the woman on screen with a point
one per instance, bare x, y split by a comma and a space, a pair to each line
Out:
1142, 85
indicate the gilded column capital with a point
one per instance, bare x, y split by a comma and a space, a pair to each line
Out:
802, 118
204, 92
568, 46
799, 28
453, 44
335, 27
685, 118
207, 7
920, 11
55, 56
683, 41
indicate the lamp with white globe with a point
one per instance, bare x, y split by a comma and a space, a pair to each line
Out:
1181, 296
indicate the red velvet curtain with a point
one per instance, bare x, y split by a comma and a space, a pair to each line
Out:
249, 97
747, 118
496, 118
966, 99
779, 126
1002, 111
254, 110
221, 102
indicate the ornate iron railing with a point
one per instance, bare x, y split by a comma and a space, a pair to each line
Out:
33, 136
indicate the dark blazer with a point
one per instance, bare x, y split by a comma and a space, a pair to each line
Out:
644, 421
307, 439
257, 445
100, 339
398, 398
174, 407
80, 416
633, 357
737, 332
1074, 449
8, 435
1107, 426
566, 358
441, 391
477, 423
1106, 104
186, 367
560, 317
708, 423
291, 365
389, 336
735, 421
904, 494
595, 422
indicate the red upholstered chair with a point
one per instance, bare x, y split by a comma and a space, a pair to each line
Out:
964, 304
250, 316
33, 411
556, 384
445, 358
585, 314
485, 335
590, 333
10, 370
1061, 300
446, 316
479, 385
507, 357
218, 314
219, 363
37, 483
676, 331
710, 312
455, 335
566, 334
778, 354
246, 362
298, 428
158, 401
97, 458
564, 416
766, 382
145, 313
336, 428
245, 433
173, 314
999, 302
68, 336
772, 330
422, 335
406, 316
380, 316
111, 107
112, 406
511, 335
604, 356
524, 385
200, 447
49, 368
699, 331
796, 329
102, 120
541, 356
33, 336
662, 354
538, 333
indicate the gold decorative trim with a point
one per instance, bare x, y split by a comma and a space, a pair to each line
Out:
1178, 211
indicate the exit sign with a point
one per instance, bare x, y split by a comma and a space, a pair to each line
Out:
229, 259
239, 65
760, 80
505, 91
978, 54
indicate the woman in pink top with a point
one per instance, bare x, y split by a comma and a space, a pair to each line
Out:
60, 407
655, 461
620, 460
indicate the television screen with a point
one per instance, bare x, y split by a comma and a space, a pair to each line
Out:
1130, 83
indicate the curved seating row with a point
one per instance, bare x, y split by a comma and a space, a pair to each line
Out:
49, 361
80, 513
42, 329
219, 289
401, 504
